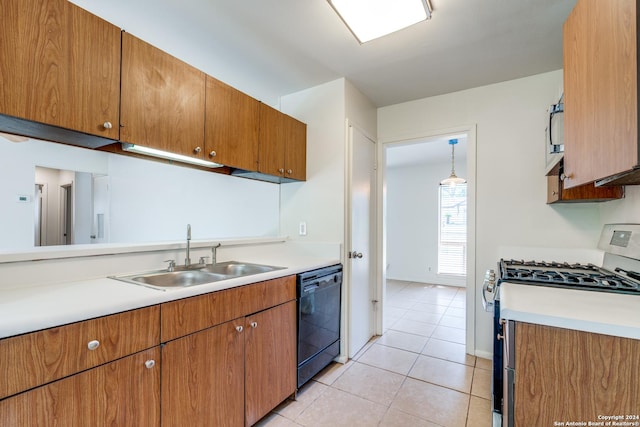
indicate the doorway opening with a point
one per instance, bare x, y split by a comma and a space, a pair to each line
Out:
429, 239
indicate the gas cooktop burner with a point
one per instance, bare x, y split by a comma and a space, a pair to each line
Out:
565, 275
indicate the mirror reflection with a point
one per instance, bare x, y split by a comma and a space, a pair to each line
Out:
55, 195
70, 207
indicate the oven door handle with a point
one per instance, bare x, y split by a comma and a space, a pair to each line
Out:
488, 305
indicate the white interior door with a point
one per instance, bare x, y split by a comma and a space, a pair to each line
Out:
100, 232
361, 242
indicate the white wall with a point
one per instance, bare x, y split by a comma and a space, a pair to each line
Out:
320, 200
625, 210
511, 187
412, 221
184, 39
149, 201
152, 201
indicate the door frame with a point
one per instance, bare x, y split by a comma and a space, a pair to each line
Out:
374, 246
472, 292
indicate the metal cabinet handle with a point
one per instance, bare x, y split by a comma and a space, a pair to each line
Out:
107, 125
150, 363
212, 153
289, 171
197, 150
92, 345
254, 324
281, 170
239, 328
355, 254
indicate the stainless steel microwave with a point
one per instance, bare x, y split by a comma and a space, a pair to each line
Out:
554, 134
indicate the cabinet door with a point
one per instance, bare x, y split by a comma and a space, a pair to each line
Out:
121, 393
203, 378
163, 100
295, 155
272, 143
231, 126
270, 357
600, 84
60, 65
563, 374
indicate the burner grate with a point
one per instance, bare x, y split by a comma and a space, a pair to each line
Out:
566, 275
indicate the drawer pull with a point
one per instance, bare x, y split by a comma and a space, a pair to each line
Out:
254, 324
150, 363
239, 328
93, 344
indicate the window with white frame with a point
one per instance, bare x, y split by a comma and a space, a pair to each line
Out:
452, 242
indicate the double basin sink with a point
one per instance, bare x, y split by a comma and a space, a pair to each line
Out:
196, 274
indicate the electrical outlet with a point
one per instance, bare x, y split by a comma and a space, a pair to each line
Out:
302, 229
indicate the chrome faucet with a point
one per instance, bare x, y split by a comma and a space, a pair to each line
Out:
213, 253
187, 260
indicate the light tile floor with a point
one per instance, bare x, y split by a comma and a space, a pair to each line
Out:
416, 374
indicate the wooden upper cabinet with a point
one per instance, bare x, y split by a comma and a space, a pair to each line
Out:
601, 92
283, 145
295, 154
231, 126
271, 154
60, 65
163, 100
557, 193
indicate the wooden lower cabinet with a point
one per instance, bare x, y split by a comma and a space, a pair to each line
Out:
231, 374
566, 375
203, 378
65, 350
125, 392
270, 360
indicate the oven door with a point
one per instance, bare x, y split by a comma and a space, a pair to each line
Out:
497, 384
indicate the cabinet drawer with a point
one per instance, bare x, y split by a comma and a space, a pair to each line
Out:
37, 358
189, 315
263, 295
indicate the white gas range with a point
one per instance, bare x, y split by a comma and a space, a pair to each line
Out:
583, 296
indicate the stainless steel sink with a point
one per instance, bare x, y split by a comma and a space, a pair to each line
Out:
236, 269
195, 275
178, 278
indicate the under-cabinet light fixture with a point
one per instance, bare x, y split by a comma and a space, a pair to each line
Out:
370, 19
453, 180
139, 149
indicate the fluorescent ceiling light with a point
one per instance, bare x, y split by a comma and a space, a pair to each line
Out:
370, 19
167, 155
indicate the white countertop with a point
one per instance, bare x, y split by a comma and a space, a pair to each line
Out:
598, 312
31, 308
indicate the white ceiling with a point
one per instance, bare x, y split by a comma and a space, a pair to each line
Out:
290, 45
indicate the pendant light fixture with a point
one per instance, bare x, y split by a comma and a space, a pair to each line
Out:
453, 180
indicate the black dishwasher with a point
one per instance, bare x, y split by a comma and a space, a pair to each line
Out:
319, 296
